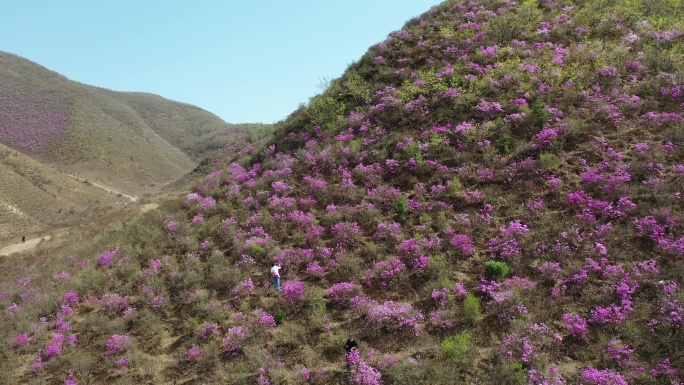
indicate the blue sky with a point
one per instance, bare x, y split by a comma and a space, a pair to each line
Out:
243, 60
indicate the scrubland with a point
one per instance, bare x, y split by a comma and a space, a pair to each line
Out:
492, 195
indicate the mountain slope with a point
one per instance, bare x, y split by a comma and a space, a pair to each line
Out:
128, 142
87, 130
491, 195
34, 197
182, 125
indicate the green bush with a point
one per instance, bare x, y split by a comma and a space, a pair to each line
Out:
401, 207
495, 269
472, 308
280, 316
505, 143
549, 161
456, 348
541, 114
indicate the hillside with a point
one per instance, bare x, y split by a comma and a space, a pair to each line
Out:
82, 129
492, 195
35, 198
183, 126
134, 143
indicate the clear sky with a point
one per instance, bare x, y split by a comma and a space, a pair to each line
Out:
243, 60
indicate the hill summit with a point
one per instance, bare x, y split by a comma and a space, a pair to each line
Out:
490, 195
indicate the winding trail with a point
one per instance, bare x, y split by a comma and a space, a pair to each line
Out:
25, 246
111, 190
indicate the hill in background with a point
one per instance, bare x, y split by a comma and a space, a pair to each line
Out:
129, 143
491, 195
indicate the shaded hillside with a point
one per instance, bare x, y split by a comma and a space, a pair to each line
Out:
182, 125
492, 195
92, 132
132, 143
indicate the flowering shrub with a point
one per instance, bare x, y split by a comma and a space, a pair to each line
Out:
384, 272
207, 330
242, 289
105, 259
113, 303
361, 372
193, 353
264, 319
21, 340
591, 376
464, 244
70, 297
117, 344
293, 291
388, 232
575, 325
234, 340
343, 292
346, 233
396, 317
507, 245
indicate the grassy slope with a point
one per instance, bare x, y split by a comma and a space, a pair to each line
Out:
446, 147
86, 130
182, 125
35, 197
134, 143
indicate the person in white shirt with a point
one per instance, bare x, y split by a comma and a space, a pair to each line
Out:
275, 273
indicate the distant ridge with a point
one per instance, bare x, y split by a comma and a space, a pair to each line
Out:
141, 139
53, 127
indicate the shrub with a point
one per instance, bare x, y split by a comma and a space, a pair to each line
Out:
472, 308
293, 291
395, 317
401, 206
495, 269
456, 348
361, 372
505, 143
280, 316
342, 292
117, 344
385, 272
346, 233
234, 340
591, 376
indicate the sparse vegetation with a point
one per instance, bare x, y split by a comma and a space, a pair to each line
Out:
507, 202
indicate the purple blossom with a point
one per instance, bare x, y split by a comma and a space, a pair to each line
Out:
396, 317
591, 376
63, 276
70, 297
343, 292
346, 233
489, 109
193, 353
21, 340
117, 344
234, 340
14, 308
105, 259
293, 291
576, 325
464, 244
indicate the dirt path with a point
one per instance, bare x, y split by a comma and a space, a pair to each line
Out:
111, 190
25, 246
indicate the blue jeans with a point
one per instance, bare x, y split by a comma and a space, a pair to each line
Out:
276, 282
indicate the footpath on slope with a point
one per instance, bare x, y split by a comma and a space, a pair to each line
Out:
30, 244
109, 189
